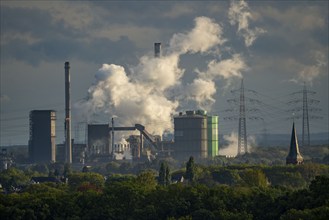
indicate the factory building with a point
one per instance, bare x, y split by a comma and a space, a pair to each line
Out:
6, 160
135, 145
99, 139
42, 147
196, 134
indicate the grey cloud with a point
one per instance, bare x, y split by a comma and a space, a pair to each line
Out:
56, 49
4, 98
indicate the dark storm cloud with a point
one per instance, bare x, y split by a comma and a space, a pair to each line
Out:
24, 20
38, 23
99, 50
53, 41
161, 14
38, 34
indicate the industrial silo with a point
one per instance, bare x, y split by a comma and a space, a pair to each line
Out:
191, 135
212, 127
42, 146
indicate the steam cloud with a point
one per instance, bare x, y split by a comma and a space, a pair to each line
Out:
151, 92
240, 14
310, 72
232, 148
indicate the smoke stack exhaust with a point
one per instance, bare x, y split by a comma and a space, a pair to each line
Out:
157, 49
68, 144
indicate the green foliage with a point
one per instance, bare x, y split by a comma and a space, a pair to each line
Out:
164, 174
146, 179
41, 168
118, 178
13, 177
86, 169
226, 176
254, 177
190, 170
112, 167
168, 176
287, 176
86, 181
320, 213
243, 196
67, 170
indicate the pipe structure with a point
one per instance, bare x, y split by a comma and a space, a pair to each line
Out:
157, 50
68, 144
112, 138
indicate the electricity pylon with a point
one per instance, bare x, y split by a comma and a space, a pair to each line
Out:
242, 138
242, 111
306, 107
306, 125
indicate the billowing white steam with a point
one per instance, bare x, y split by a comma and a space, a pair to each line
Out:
240, 14
232, 148
150, 92
203, 37
226, 69
116, 94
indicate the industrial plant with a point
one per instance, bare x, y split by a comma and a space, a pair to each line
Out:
195, 134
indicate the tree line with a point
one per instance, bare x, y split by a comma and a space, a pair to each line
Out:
207, 192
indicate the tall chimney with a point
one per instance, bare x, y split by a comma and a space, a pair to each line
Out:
68, 144
157, 49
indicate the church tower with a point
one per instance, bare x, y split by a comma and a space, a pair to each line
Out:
294, 157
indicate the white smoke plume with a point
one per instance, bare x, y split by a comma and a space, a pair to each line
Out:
201, 91
239, 13
308, 73
232, 148
158, 74
151, 92
203, 37
116, 94
203, 88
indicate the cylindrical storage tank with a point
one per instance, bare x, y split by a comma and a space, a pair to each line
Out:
190, 136
212, 124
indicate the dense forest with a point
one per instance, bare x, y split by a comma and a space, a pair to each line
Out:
192, 192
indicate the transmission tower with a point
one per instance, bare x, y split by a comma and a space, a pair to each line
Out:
306, 107
306, 125
241, 110
242, 138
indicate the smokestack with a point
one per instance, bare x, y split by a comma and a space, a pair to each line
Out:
68, 144
112, 137
157, 49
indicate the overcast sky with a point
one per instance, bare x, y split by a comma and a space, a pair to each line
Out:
275, 46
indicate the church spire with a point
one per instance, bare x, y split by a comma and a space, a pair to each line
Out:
294, 156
